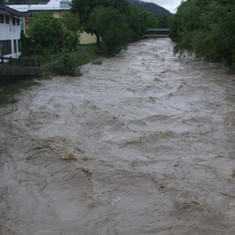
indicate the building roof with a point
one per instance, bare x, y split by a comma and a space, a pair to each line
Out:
52, 5
9, 11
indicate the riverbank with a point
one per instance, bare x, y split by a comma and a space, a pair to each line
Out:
83, 55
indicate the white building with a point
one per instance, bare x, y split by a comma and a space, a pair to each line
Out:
9, 32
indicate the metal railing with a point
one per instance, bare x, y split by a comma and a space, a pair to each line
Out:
20, 62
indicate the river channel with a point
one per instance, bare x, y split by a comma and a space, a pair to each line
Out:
142, 144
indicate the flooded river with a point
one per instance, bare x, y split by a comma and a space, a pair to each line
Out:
142, 144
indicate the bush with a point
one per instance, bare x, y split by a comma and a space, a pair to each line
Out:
206, 28
66, 65
46, 32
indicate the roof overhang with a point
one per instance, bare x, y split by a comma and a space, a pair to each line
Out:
9, 11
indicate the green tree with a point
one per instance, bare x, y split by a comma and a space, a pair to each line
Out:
71, 22
70, 40
137, 23
115, 34
46, 32
71, 27
85, 7
207, 28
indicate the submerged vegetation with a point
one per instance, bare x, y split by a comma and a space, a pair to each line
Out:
63, 64
207, 28
8, 92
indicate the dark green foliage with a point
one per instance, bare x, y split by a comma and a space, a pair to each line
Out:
46, 32
66, 65
115, 34
70, 40
85, 7
137, 23
156, 21
107, 19
115, 22
71, 21
206, 28
48, 35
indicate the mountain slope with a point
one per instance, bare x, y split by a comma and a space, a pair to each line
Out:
151, 7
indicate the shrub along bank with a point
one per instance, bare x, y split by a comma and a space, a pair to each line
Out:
207, 28
64, 64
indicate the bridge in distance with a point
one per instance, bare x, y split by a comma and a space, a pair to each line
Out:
157, 33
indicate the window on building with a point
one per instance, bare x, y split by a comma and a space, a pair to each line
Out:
7, 19
13, 21
17, 21
19, 46
5, 47
1, 19
15, 47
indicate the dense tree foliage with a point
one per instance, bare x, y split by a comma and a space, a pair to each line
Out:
115, 34
46, 31
71, 22
85, 7
115, 21
71, 27
137, 23
206, 27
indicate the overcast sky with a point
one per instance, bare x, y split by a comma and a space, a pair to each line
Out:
171, 5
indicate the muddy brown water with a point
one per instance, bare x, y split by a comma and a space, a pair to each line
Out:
142, 144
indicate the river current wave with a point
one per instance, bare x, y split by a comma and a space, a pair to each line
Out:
142, 144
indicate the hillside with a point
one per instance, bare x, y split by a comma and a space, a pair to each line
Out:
151, 7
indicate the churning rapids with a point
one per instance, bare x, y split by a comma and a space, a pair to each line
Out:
142, 144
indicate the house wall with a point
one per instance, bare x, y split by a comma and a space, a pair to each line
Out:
11, 32
58, 14
86, 38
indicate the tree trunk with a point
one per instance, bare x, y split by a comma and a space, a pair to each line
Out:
97, 38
